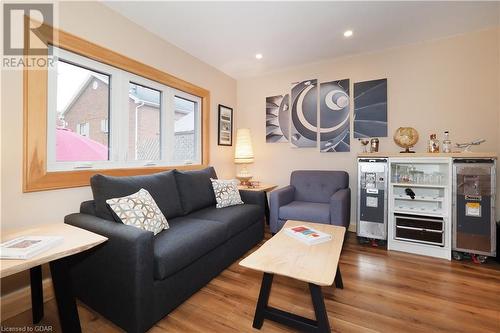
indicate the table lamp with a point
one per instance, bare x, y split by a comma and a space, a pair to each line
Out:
243, 154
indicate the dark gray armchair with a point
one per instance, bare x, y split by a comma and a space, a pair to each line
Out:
312, 196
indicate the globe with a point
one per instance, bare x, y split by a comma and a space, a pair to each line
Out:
406, 137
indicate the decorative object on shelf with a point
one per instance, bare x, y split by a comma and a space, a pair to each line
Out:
433, 146
225, 133
304, 124
243, 154
364, 144
409, 192
374, 144
370, 109
334, 108
406, 137
467, 145
277, 118
446, 142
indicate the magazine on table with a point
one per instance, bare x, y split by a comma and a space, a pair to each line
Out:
25, 247
308, 235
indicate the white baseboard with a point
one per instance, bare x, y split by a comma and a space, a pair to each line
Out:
19, 301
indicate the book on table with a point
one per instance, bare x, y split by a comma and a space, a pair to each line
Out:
25, 247
308, 235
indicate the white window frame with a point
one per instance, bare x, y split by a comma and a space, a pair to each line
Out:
118, 118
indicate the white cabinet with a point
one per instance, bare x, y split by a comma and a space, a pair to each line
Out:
419, 218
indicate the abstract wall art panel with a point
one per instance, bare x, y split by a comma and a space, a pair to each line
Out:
304, 117
370, 109
277, 118
334, 116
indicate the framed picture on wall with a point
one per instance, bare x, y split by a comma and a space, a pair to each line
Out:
225, 134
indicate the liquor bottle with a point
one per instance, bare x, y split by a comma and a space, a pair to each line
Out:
433, 144
446, 143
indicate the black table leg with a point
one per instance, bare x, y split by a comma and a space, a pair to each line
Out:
319, 308
303, 324
66, 303
265, 290
338, 279
266, 208
36, 293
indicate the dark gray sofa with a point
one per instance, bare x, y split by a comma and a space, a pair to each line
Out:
135, 279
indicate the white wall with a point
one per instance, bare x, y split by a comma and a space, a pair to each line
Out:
449, 84
99, 24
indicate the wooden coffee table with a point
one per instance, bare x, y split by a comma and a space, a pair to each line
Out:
314, 264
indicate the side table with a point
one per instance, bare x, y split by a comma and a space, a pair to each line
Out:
76, 240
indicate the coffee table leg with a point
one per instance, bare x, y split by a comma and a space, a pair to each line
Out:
36, 294
265, 290
319, 308
66, 304
338, 279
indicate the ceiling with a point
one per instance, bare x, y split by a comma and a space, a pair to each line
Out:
227, 35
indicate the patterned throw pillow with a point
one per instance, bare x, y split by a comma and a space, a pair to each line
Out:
226, 192
139, 210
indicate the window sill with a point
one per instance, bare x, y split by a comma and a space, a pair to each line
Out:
80, 178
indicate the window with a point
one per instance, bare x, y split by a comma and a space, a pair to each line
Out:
104, 126
102, 117
82, 129
113, 75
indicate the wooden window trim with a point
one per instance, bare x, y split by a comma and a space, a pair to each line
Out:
35, 88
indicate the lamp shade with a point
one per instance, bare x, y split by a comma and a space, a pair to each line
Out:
243, 152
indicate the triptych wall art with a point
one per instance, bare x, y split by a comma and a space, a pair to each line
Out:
294, 118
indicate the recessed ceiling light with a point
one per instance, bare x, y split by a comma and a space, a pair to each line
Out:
348, 33
258, 56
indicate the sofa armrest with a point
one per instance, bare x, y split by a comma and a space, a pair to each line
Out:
340, 208
116, 277
278, 198
255, 198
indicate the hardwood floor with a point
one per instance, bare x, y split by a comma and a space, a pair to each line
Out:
383, 292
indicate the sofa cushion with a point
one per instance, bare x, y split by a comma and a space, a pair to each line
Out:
186, 240
162, 187
318, 186
139, 210
305, 211
195, 189
226, 192
234, 218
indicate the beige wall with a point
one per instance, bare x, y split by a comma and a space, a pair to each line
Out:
100, 25
449, 84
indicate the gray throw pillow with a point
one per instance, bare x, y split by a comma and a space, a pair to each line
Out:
226, 192
139, 210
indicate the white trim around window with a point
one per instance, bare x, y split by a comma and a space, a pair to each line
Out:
118, 121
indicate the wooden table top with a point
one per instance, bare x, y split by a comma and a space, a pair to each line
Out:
285, 255
261, 187
76, 240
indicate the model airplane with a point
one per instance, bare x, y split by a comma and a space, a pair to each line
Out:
467, 145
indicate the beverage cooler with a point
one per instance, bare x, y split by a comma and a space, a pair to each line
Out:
372, 199
474, 227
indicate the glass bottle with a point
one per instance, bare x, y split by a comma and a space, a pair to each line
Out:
446, 143
433, 144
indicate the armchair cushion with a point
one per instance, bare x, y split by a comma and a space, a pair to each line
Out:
318, 186
306, 211
186, 240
